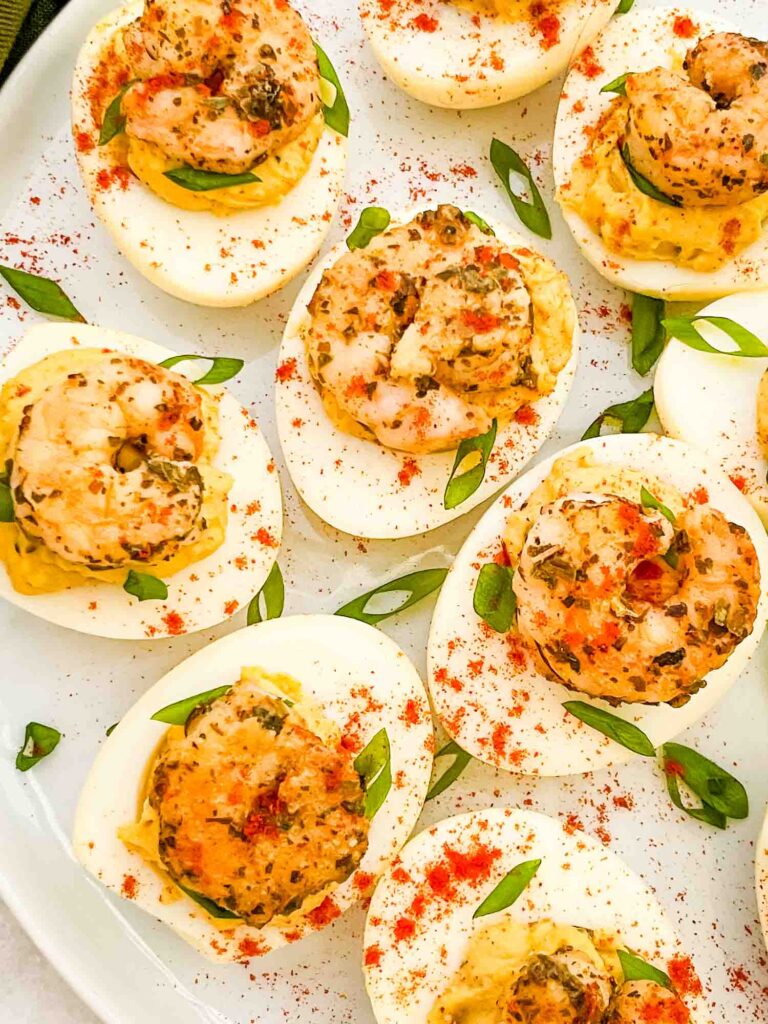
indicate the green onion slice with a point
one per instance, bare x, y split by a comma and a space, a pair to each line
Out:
373, 220
494, 599
39, 742
337, 115
643, 184
684, 329
630, 416
195, 180
637, 969
460, 761
145, 587
618, 85
509, 889
415, 586
222, 368
273, 596
713, 785
615, 728
648, 500
625, 6
532, 212
463, 485
477, 220
214, 909
647, 332
41, 293
374, 765
114, 119
179, 712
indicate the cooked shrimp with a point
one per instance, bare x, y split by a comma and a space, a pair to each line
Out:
256, 812
221, 86
564, 987
622, 605
641, 1001
103, 467
702, 136
430, 331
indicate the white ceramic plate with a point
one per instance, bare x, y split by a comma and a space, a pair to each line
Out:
127, 967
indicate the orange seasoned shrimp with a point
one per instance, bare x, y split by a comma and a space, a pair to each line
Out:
702, 136
222, 85
255, 812
624, 605
640, 1001
103, 464
565, 987
433, 329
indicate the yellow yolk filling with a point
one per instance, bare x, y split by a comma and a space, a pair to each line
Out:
33, 568
497, 952
601, 191
277, 175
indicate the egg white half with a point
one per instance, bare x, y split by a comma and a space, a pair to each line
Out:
761, 878
640, 41
358, 677
578, 883
710, 401
478, 694
198, 256
208, 591
463, 62
355, 484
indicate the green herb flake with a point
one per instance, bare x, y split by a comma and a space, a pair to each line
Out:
615, 728
630, 416
271, 595
477, 220
713, 785
222, 368
684, 329
494, 599
337, 115
373, 220
463, 485
643, 184
179, 712
211, 908
414, 586
460, 761
618, 85
532, 212
509, 889
637, 969
648, 336
145, 587
39, 742
41, 293
114, 119
195, 180
625, 6
374, 765
648, 500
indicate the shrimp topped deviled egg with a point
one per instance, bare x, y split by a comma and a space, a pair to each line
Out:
135, 502
661, 155
478, 53
210, 143
502, 917
441, 337
268, 781
628, 570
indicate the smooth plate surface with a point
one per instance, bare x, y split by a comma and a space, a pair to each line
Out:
126, 966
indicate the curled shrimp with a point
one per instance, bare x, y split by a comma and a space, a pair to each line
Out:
104, 464
433, 329
564, 986
221, 86
624, 605
701, 136
640, 1001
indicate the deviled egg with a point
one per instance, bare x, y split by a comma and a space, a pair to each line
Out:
211, 142
627, 571
477, 53
265, 784
500, 916
660, 155
135, 503
761, 878
723, 407
443, 336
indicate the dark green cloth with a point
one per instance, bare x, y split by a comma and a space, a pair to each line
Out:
21, 22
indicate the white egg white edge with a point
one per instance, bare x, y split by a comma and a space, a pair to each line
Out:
579, 883
200, 592
710, 401
430, 67
567, 746
197, 256
640, 41
329, 656
352, 483
761, 878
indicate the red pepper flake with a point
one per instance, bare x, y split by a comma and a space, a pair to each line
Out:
731, 232
232, 20
372, 956
425, 23
129, 888
527, 416
286, 371
588, 65
263, 536
231, 607
386, 280
84, 142
404, 929
357, 387
684, 27
499, 738
409, 470
547, 24
507, 260
363, 881
400, 875
740, 482
174, 623
260, 128
484, 254
411, 713
252, 947
683, 976
700, 495
573, 824
480, 322
324, 914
